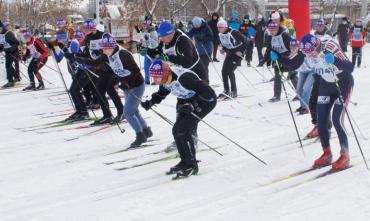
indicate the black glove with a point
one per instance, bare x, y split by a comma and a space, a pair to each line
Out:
69, 56
124, 86
147, 104
186, 108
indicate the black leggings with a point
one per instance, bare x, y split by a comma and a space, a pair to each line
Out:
33, 70
228, 70
184, 128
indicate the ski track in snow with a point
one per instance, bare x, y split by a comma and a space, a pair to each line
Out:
43, 177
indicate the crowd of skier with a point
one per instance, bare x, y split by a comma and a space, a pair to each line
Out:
178, 59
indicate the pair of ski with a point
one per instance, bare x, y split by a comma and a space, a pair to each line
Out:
52, 125
306, 171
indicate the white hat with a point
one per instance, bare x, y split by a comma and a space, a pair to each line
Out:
275, 15
221, 24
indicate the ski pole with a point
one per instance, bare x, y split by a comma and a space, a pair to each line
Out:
102, 100
61, 77
245, 77
171, 123
346, 110
213, 65
358, 128
232, 141
290, 108
259, 73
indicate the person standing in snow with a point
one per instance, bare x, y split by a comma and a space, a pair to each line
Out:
39, 56
9, 43
260, 36
336, 83
248, 29
150, 40
342, 32
357, 36
322, 33
131, 81
193, 97
279, 42
216, 39
233, 23
233, 45
202, 35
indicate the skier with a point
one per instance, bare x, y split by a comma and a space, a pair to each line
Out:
77, 71
322, 33
233, 45
177, 48
131, 81
216, 39
9, 43
193, 97
39, 56
342, 32
233, 23
150, 40
357, 36
106, 81
336, 84
279, 42
305, 79
260, 36
249, 30
203, 36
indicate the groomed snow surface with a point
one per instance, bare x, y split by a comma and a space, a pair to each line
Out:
43, 177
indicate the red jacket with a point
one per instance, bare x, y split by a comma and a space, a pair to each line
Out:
357, 36
36, 49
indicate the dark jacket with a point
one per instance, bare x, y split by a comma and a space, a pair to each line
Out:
185, 55
133, 80
12, 42
213, 25
342, 32
203, 38
286, 39
260, 33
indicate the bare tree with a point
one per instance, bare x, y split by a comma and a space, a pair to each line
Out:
209, 11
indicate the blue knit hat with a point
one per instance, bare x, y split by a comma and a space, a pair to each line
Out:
165, 28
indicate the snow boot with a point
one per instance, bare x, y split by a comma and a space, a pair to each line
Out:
41, 86
30, 87
313, 133
299, 109
140, 139
147, 132
9, 84
324, 159
342, 162
176, 168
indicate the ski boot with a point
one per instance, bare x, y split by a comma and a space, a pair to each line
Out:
324, 159
147, 132
234, 94
313, 133
78, 116
304, 111
41, 86
118, 119
9, 84
140, 139
274, 99
175, 169
223, 95
30, 87
342, 162
101, 121
187, 170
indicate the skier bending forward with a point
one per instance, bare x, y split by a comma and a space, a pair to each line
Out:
194, 97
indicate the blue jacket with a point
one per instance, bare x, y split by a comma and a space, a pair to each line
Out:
203, 37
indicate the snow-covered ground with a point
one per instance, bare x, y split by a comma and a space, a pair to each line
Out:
43, 177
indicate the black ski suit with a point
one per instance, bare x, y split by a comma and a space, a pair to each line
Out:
9, 43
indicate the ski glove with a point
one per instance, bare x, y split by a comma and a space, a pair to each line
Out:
274, 56
186, 108
147, 104
329, 58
